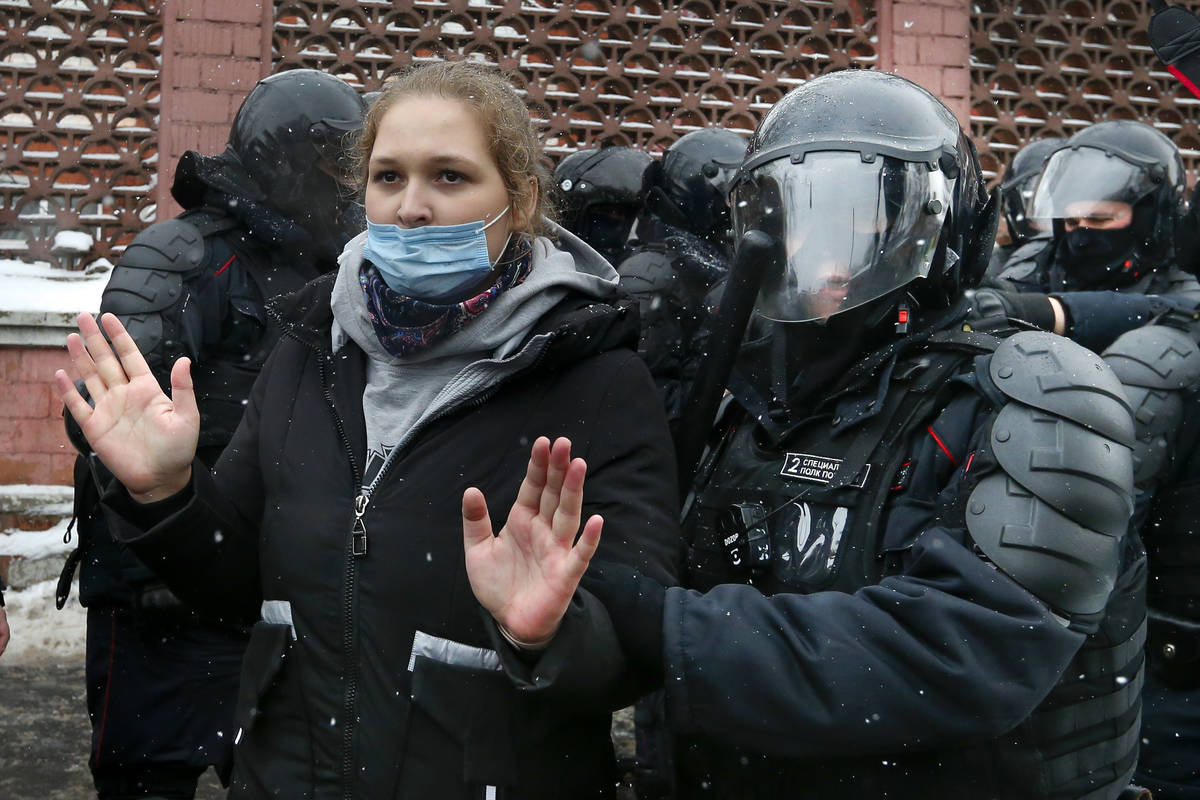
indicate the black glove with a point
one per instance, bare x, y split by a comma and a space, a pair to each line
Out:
994, 305
635, 604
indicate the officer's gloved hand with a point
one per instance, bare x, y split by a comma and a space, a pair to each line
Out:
994, 308
158, 604
635, 604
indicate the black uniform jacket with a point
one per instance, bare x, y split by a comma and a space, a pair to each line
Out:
377, 675
877, 667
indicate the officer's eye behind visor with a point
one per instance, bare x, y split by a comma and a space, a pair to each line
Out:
848, 231
1076, 179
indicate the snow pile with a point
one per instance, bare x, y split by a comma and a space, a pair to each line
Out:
36, 544
76, 242
41, 634
41, 287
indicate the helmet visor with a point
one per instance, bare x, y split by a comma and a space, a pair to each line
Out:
847, 232
334, 140
1088, 182
1017, 199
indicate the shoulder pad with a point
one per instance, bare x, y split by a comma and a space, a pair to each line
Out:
174, 245
1054, 516
646, 271
1054, 374
1022, 262
1080, 473
1156, 364
150, 274
1155, 357
1182, 286
1065, 565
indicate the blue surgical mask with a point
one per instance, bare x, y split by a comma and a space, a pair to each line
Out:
433, 263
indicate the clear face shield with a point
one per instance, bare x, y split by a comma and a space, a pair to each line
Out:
1086, 182
847, 231
1017, 200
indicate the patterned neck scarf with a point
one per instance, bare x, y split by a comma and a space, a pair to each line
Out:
406, 325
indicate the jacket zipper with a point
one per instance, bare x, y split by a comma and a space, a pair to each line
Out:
358, 537
349, 579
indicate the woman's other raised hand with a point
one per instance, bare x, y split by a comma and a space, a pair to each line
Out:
525, 576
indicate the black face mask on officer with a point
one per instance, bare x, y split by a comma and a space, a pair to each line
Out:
1105, 258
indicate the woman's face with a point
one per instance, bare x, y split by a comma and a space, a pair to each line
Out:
430, 166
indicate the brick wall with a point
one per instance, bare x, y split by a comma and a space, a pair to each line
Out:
33, 445
930, 43
214, 51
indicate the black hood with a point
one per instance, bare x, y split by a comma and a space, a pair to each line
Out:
222, 182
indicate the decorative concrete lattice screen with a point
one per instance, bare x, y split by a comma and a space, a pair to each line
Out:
79, 86
1050, 67
638, 73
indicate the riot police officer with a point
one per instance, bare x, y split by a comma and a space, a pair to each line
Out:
680, 251
601, 196
1114, 196
1016, 191
888, 597
1113, 199
264, 217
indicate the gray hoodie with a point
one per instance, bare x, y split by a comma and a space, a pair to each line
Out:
403, 394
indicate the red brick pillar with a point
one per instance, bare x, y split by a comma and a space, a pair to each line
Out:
213, 53
928, 41
33, 443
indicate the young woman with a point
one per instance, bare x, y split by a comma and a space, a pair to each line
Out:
454, 335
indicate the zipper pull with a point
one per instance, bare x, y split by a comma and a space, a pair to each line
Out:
358, 535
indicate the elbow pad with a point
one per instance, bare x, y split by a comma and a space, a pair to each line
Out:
1053, 516
1156, 365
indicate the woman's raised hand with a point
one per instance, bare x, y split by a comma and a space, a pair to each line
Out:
146, 439
525, 577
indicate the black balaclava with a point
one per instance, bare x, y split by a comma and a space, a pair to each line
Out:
1089, 258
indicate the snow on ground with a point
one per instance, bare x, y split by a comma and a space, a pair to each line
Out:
41, 287
41, 634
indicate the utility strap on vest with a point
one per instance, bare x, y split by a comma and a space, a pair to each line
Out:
1066, 720
1095, 663
885, 429
1097, 759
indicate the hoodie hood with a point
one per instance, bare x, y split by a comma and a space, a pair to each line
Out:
569, 266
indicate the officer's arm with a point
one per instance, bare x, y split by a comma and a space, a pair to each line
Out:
951, 652
1096, 319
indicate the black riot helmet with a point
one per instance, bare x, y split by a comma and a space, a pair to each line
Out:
601, 195
293, 136
869, 189
689, 188
1020, 179
1112, 170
